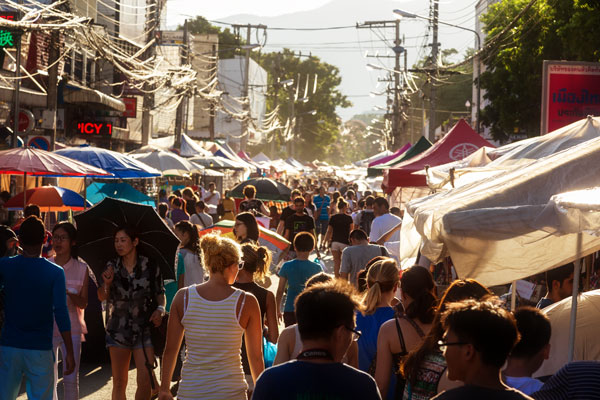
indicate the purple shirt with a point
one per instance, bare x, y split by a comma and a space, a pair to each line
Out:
178, 214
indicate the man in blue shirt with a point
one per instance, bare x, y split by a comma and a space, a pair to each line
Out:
321, 202
35, 292
327, 328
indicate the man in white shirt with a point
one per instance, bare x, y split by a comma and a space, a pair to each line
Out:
384, 221
211, 198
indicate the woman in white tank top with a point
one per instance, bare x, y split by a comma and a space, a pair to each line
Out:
213, 316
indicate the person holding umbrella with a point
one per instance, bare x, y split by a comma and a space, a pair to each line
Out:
130, 283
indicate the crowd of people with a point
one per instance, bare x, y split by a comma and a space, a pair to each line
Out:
361, 329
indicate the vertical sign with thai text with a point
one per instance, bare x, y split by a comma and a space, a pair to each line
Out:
570, 92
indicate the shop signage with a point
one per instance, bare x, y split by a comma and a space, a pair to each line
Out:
95, 128
130, 107
39, 142
570, 92
8, 39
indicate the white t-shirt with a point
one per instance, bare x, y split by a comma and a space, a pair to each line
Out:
213, 202
525, 384
383, 224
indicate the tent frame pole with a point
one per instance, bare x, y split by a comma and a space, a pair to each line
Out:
576, 273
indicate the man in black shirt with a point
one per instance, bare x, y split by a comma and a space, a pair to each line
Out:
288, 211
296, 223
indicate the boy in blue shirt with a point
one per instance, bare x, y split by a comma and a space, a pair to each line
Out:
295, 273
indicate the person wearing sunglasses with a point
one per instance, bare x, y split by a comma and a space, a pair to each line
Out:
326, 315
478, 337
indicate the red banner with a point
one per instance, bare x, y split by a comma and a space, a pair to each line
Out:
571, 92
130, 107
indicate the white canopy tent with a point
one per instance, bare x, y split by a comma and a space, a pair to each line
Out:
487, 226
366, 161
487, 162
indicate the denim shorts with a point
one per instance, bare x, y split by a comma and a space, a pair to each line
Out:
110, 342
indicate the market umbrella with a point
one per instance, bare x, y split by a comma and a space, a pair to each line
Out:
35, 162
216, 162
268, 238
168, 162
120, 165
48, 198
587, 346
266, 189
117, 190
96, 228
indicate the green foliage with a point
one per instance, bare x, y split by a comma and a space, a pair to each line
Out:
228, 42
550, 30
314, 133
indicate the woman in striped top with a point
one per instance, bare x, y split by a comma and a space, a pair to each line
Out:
214, 316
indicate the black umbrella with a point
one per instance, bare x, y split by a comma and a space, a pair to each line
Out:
96, 228
266, 189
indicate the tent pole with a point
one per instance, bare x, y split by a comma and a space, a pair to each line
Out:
84, 193
576, 273
24, 190
513, 296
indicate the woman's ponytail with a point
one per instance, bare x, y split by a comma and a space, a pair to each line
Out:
382, 277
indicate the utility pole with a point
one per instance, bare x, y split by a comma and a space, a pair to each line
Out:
180, 114
211, 120
245, 133
148, 100
398, 50
17, 111
434, 61
52, 96
277, 85
188, 61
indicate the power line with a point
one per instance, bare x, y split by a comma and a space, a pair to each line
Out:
330, 28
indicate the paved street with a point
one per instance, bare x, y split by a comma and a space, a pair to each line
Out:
95, 380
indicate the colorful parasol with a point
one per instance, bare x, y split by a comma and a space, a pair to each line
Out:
270, 239
49, 198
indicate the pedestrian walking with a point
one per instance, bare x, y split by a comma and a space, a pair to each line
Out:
132, 286
246, 228
64, 235
321, 202
35, 291
338, 234
213, 316
189, 264
356, 257
404, 333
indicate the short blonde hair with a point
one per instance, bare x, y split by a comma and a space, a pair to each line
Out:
219, 252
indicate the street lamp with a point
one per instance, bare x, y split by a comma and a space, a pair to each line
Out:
405, 14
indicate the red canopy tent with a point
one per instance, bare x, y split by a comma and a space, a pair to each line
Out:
461, 141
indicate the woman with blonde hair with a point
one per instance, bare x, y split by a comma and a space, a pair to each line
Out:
214, 317
256, 262
382, 283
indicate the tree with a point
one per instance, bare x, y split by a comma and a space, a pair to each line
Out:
549, 30
229, 43
355, 143
317, 124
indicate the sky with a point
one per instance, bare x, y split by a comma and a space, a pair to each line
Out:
178, 10
345, 49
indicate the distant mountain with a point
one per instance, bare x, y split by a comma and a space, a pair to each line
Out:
345, 48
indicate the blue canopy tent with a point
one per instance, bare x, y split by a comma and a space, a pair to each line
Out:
117, 190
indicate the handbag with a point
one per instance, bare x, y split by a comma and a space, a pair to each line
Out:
158, 335
269, 352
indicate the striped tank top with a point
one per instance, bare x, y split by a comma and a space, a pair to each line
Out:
212, 368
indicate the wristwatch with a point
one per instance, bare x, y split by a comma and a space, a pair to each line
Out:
161, 309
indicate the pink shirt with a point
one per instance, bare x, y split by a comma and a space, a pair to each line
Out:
75, 272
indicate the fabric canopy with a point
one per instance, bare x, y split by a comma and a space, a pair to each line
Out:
461, 141
517, 153
261, 157
168, 163
494, 229
366, 161
97, 191
189, 147
422, 145
393, 156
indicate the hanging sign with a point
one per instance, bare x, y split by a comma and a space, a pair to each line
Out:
94, 128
